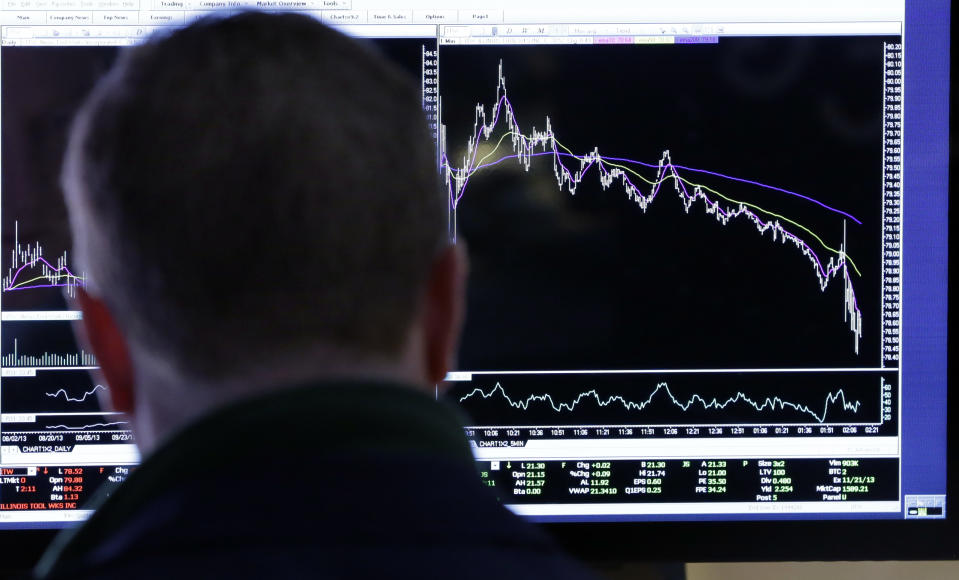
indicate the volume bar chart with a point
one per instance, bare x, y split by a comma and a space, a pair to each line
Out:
46, 359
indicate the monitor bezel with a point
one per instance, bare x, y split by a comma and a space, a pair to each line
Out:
707, 541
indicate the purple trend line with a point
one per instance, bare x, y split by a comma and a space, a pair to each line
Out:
772, 187
730, 177
686, 193
683, 167
753, 215
56, 270
509, 107
49, 265
658, 185
826, 272
733, 178
11, 289
785, 232
656, 191
524, 149
504, 100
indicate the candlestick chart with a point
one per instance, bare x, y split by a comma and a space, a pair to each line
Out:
596, 244
31, 269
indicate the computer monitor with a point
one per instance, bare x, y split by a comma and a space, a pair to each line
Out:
708, 244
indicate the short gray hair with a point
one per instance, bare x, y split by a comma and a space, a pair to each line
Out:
254, 185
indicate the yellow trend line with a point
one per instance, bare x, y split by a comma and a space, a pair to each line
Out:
686, 181
756, 207
490, 154
68, 276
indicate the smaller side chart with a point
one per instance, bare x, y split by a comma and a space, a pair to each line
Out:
53, 391
49, 402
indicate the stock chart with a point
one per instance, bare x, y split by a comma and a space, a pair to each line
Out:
684, 263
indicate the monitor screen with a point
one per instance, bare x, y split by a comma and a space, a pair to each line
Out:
708, 248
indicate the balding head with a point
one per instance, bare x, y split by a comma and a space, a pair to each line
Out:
248, 190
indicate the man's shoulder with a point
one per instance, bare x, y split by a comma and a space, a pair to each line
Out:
323, 501
389, 526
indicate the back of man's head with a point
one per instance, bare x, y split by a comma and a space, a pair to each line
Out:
252, 186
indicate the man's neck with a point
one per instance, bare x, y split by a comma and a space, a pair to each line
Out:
167, 400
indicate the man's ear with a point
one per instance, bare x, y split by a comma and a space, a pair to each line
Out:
444, 311
102, 335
